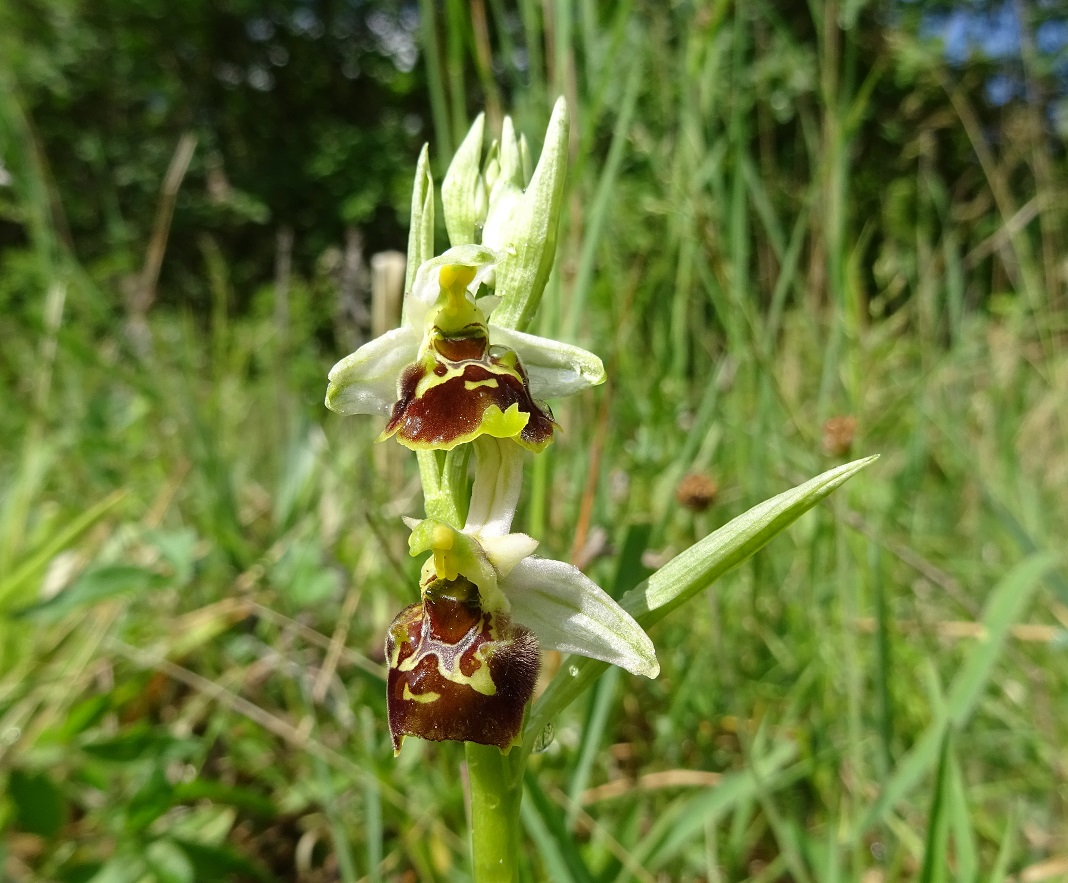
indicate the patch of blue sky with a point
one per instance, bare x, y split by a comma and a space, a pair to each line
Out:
1052, 36
994, 33
1000, 89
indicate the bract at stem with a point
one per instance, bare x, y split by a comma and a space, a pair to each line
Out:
498, 481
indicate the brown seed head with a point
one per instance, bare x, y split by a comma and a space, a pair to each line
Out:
838, 434
697, 491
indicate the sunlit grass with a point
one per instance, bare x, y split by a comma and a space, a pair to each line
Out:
199, 562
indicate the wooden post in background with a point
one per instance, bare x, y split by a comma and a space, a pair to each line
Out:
387, 292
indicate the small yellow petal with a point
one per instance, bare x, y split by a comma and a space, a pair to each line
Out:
455, 277
506, 424
442, 537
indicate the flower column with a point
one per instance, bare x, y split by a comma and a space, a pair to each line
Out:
460, 374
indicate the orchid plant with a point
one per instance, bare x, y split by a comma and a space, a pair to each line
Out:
460, 376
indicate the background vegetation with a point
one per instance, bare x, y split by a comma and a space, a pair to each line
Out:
793, 231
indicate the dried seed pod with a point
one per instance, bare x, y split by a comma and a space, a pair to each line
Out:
838, 434
697, 491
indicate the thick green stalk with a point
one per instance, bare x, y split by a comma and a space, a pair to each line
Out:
496, 789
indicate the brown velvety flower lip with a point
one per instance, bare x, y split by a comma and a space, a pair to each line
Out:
458, 673
451, 411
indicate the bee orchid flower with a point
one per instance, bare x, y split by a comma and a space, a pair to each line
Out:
463, 662
448, 375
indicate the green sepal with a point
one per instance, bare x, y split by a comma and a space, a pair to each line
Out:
522, 224
463, 196
421, 231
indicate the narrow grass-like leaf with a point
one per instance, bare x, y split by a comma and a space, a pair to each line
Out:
964, 844
628, 575
688, 574
937, 847
1007, 602
439, 109
35, 562
372, 802
545, 824
602, 199
94, 586
1006, 850
686, 817
698, 567
593, 733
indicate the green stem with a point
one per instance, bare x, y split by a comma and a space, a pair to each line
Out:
444, 478
496, 789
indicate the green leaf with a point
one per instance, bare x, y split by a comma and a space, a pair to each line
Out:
242, 798
702, 564
965, 846
222, 863
687, 816
546, 826
1006, 850
136, 743
34, 563
79, 872
937, 848
150, 801
39, 805
169, 862
121, 868
178, 548
80, 717
688, 574
1007, 601
301, 577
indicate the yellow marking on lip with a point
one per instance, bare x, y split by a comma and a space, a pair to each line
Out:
423, 698
489, 382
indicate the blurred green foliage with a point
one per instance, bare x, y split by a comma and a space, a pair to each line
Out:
304, 115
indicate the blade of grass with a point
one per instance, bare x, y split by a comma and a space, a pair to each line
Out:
545, 825
1006, 603
936, 850
602, 199
686, 817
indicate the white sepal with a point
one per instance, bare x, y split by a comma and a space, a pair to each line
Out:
554, 368
365, 382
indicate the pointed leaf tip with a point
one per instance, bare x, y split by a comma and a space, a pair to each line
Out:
702, 564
